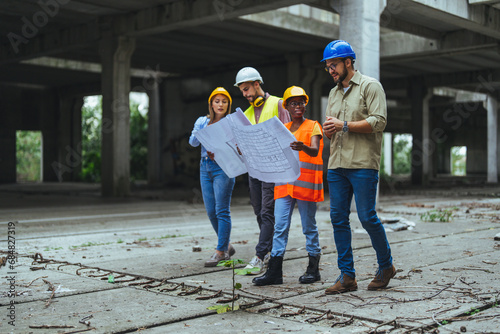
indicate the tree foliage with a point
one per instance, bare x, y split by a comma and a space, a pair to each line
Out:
28, 155
138, 143
91, 142
402, 154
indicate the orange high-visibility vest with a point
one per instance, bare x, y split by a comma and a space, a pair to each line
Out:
309, 185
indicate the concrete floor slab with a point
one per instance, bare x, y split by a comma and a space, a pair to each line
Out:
486, 321
248, 322
111, 311
448, 289
37, 285
455, 261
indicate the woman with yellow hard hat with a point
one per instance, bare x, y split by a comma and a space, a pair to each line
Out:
306, 191
216, 186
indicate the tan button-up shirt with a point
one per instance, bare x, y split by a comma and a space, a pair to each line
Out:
364, 100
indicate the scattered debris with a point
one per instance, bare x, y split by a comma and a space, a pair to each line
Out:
477, 205
392, 225
497, 237
50, 326
418, 205
291, 314
53, 290
196, 249
217, 294
85, 321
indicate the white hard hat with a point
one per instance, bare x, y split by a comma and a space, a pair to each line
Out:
247, 74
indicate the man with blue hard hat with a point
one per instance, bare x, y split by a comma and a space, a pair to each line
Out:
356, 116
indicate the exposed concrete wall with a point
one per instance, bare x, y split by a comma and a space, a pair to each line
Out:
456, 130
20, 109
51, 125
9, 117
7, 155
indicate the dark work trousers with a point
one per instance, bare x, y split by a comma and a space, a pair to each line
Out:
262, 199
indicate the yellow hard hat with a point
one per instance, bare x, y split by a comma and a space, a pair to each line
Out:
219, 90
294, 91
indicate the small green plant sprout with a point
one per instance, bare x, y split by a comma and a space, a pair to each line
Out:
444, 322
442, 215
236, 286
473, 311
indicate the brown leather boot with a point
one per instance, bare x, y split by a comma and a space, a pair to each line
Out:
344, 283
382, 278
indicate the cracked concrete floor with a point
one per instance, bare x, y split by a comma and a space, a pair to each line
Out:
68, 246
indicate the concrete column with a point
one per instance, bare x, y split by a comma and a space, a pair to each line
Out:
293, 70
360, 26
7, 155
53, 164
316, 109
388, 153
492, 139
154, 144
116, 52
428, 147
76, 133
416, 91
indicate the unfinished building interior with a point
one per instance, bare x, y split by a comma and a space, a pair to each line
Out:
438, 61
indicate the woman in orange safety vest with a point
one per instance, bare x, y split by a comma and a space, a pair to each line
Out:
306, 191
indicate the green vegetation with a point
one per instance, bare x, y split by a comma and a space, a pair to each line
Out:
235, 286
473, 311
28, 155
458, 160
402, 145
91, 141
441, 215
91, 244
52, 248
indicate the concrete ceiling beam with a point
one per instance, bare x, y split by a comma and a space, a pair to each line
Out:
399, 47
30, 43
478, 18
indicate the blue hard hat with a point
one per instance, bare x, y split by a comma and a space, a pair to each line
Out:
338, 49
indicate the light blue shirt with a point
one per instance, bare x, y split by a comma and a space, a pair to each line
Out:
200, 123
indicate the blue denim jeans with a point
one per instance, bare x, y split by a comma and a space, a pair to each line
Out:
262, 199
217, 189
362, 183
283, 209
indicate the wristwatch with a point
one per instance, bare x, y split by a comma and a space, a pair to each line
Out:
345, 128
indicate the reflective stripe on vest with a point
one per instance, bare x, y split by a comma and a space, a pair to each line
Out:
269, 110
309, 186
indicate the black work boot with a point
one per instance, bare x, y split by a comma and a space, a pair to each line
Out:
312, 272
274, 273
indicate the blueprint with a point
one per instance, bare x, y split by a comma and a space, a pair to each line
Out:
261, 150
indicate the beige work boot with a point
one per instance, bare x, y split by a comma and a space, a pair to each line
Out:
382, 278
344, 283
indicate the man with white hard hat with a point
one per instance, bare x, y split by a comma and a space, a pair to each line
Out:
263, 107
